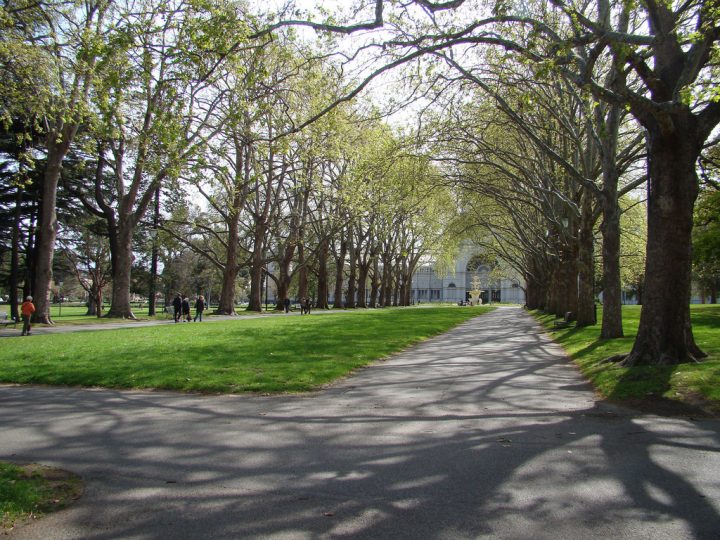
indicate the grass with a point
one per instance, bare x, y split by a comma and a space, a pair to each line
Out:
692, 384
29, 491
264, 354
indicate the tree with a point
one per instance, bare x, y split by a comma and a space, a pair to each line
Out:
151, 121
50, 51
706, 243
88, 253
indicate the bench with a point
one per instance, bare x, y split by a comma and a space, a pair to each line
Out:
6, 321
566, 321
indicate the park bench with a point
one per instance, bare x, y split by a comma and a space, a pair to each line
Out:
6, 321
565, 321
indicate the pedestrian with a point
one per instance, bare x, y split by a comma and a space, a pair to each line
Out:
186, 309
177, 307
199, 308
26, 310
286, 303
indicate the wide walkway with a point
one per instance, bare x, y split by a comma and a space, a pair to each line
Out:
485, 432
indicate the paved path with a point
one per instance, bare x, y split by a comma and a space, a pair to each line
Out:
487, 432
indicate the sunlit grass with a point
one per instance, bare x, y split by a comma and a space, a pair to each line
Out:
683, 383
264, 354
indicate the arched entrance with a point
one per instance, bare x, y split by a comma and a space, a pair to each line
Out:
479, 274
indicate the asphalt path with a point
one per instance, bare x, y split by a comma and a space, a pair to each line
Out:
485, 432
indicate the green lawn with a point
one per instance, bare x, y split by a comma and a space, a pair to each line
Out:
265, 354
688, 383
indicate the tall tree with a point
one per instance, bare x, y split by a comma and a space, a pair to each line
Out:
50, 57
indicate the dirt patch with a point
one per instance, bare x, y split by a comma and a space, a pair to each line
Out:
59, 489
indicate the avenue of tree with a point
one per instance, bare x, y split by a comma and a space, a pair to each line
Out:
226, 143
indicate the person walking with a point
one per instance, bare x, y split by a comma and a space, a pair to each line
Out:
286, 303
199, 308
26, 310
177, 307
186, 309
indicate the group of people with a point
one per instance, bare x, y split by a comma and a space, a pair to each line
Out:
305, 305
181, 308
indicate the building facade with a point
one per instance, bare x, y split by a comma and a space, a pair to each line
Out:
471, 273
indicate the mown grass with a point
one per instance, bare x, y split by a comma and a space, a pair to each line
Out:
264, 354
30, 491
697, 383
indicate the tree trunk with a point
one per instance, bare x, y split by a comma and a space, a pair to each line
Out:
323, 285
154, 255
284, 278
586, 268
665, 333
302, 273
256, 270
612, 292
339, 274
363, 270
384, 295
552, 302
122, 268
230, 272
374, 284
15, 256
47, 233
352, 276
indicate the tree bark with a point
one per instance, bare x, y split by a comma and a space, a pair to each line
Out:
612, 293
231, 268
586, 267
15, 256
256, 270
47, 233
154, 255
352, 274
122, 268
302, 273
665, 333
323, 285
339, 275
375, 283
362, 286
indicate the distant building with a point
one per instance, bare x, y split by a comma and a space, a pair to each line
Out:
470, 270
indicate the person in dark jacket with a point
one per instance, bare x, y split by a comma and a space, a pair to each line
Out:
177, 307
186, 309
286, 303
199, 308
